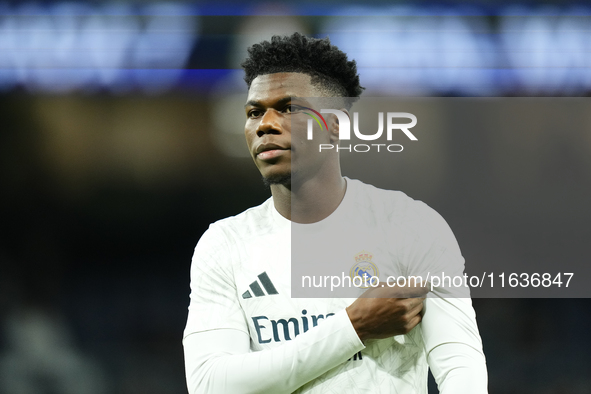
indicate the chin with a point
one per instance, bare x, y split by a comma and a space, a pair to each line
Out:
277, 179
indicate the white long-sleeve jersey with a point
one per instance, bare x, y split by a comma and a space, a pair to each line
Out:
246, 334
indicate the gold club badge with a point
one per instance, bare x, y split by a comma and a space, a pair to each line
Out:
364, 269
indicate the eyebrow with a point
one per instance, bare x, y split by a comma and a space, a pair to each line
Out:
280, 102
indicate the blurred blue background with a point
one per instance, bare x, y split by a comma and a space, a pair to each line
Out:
121, 140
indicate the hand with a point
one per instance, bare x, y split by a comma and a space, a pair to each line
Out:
384, 311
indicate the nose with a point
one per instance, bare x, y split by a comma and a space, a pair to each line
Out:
270, 123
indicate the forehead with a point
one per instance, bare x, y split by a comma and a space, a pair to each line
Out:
279, 85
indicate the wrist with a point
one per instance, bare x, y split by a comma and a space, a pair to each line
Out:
357, 323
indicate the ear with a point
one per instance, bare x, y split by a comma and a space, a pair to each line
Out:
333, 126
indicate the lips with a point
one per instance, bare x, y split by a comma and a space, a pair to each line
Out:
268, 147
269, 151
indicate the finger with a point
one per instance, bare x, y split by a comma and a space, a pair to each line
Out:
412, 323
417, 292
412, 306
410, 290
416, 306
393, 291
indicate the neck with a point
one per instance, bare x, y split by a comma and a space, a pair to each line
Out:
312, 200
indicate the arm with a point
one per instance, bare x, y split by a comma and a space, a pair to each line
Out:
219, 361
450, 333
453, 345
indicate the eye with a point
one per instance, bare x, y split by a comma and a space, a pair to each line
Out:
292, 108
254, 113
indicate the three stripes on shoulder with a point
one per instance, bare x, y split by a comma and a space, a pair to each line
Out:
256, 287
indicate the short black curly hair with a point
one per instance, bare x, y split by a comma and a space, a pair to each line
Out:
325, 63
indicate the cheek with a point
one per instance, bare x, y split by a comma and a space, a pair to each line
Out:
249, 134
299, 131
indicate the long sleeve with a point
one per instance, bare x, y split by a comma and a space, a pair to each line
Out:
454, 347
452, 341
218, 361
458, 369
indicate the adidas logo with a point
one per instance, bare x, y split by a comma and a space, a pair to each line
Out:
256, 287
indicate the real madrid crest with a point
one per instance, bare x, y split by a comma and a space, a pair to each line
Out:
363, 268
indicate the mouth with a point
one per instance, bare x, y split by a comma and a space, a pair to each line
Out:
270, 151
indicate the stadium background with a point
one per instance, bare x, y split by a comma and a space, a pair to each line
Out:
121, 140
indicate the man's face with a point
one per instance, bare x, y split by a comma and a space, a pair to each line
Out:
271, 114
